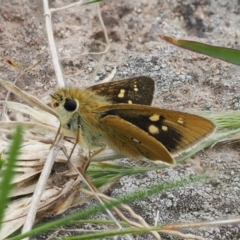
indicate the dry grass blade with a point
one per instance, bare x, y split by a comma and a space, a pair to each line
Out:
62, 188
32, 101
36, 128
54, 200
36, 115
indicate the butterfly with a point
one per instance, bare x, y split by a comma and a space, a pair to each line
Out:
118, 114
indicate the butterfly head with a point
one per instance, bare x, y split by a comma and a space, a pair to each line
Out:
64, 104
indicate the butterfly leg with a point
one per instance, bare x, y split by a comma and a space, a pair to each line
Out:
90, 156
97, 151
77, 139
57, 134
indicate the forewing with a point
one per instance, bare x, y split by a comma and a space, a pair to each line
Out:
175, 130
137, 90
133, 142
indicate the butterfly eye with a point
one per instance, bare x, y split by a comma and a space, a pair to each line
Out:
55, 105
70, 105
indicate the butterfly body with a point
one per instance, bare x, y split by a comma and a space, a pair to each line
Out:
112, 114
82, 119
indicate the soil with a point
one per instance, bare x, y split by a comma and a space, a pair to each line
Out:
185, 81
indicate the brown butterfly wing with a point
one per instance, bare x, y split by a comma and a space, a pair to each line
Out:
137, 90
127, 139
176, 131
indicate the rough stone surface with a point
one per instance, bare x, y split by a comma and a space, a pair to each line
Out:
184, 81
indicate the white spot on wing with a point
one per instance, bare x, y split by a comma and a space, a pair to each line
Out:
121, 93
164, 128
180, 121
153, 129
136, 140
154, 117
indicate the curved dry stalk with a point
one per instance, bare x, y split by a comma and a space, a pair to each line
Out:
94, 192
103, 53
182, 235
33, 208
52, 45
142, 224
106, 39
15, 81
203, 224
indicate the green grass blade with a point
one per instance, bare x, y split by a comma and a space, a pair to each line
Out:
7, 172
108, 173
108, 234
93, 1
224, 120
227, 124
225, 54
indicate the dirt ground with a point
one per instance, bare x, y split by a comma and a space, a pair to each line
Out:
184, 81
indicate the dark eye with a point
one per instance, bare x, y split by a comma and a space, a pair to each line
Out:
70, 105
